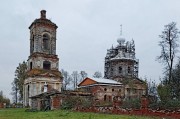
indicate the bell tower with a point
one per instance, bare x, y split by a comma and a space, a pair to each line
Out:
43, 63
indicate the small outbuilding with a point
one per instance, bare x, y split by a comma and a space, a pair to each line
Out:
46, 101
103, 90
54, 99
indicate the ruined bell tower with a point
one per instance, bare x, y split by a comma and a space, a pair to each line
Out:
43, 63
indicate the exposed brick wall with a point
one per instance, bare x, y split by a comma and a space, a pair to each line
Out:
145, 111
1, 105
56, 102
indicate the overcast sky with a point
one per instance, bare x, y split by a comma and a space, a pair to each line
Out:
86, 29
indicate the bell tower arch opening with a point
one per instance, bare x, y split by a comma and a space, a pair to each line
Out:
31, 66
46, 41
32, 43
47, 65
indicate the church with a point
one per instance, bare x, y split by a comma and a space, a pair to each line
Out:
120, 75
43, 64
121, 67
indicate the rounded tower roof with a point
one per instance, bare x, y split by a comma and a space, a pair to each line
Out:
121, 40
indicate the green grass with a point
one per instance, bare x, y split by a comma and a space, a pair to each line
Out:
60, 114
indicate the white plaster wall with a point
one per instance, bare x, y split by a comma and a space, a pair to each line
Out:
36, 85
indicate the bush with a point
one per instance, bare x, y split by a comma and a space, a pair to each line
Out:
169, 104
131, 103
73, 101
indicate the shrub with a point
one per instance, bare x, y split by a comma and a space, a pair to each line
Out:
131, 103
74, 101
169, 104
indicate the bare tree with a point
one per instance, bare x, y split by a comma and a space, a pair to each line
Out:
75, 77
97, 74
66, 79
169, 46
83, 75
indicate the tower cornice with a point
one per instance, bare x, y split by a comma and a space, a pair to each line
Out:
37, 54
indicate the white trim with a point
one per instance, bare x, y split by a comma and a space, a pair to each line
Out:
101, 84
104, 81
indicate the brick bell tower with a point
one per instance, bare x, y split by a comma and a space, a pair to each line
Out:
43, 63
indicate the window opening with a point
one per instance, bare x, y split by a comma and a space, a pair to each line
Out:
129, 70
46, 65
30, 65
120, 70
46, 41
32, 45
28, 92
110, 98
105, 97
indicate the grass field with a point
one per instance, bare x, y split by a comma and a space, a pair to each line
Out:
60, 114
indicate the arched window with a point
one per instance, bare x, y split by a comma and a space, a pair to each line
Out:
105, 97
46, 65
46, 41
30, 65
32, 45
110, 98
129, 70
28, 92
105, 89
120, 70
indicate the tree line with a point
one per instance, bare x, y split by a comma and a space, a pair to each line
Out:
4, 99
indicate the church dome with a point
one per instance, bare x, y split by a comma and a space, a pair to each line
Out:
121, 40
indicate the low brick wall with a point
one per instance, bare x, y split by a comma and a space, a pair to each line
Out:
1, 105
145, 112
56, 102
